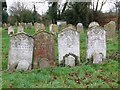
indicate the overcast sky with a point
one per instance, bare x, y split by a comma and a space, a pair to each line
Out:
43, 7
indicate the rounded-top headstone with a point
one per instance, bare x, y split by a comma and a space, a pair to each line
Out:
93, 24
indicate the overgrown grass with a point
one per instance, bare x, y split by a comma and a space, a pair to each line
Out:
83, 76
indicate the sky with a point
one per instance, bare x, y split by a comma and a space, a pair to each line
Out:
43, 6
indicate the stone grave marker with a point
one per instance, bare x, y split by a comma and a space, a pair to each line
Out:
29, 26
80, 27
20, 29
71, 26
20, 51
62, 26
95, 44
23, 25
50, 27
110, 29
54, 28
44, 51
92, 24
68, 42
39, 26
10, 30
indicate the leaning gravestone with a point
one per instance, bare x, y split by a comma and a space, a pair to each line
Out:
44, 51
20, 51
20, 29
95, 44
110, 30
68, 43
80, 27
10, 30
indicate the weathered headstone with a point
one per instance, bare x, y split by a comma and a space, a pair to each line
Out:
92, 24
50, 27
68, 42
10, 30
71, 26
70, 60
62, 26
61, 22
54, 28
29, 26
110, 29
23, 25
20, 51
96, 44
80, 27
39, 26
43, 48
20, 29
16, 24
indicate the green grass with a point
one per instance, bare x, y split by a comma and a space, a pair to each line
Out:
83, 76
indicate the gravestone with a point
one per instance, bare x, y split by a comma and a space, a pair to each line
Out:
16, 24
43, 63
80, 27
36, 26
29, 26
92, 24
70, 61
62, 26
61, 22
10, 30
39, 26
23, 25
54, 28
95, 44
110, 29
71, 26
20, 29
50, 27
68, 42
43, 48
20, 51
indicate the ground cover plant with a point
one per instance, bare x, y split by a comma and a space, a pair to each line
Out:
82, 76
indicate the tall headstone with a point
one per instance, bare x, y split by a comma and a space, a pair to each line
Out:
68, 43
44, 51
80, 27
10, 30
110, 29
20, 51
20, 29
95, 44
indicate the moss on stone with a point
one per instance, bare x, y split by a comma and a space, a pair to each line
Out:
42, 30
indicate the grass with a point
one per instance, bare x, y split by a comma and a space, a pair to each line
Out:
83, 76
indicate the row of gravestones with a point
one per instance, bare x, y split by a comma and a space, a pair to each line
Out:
110, 28
40, 47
